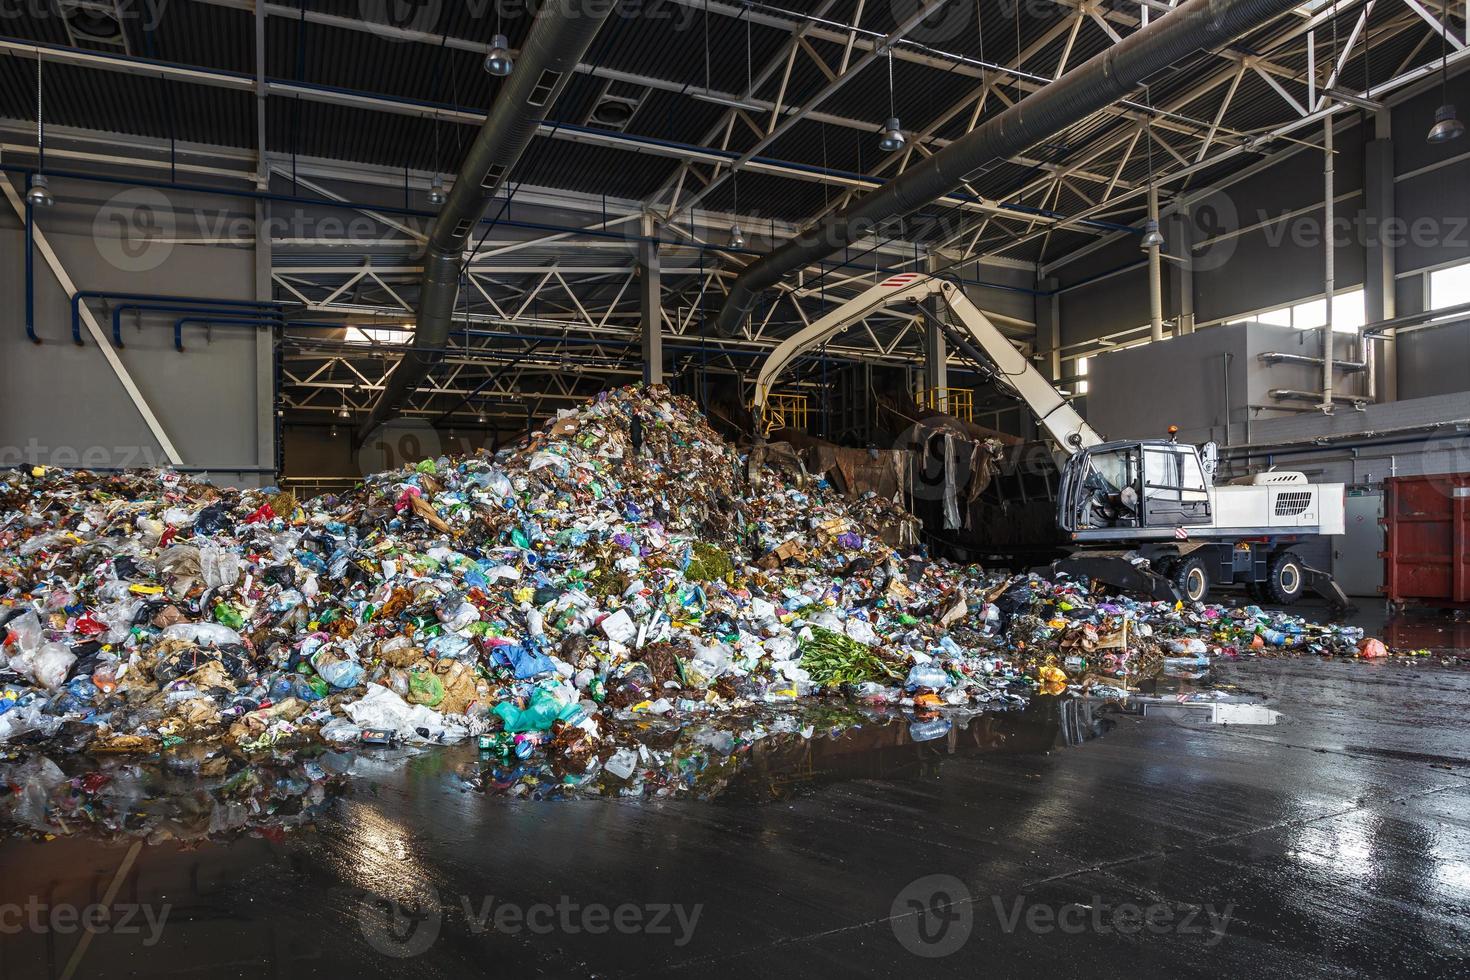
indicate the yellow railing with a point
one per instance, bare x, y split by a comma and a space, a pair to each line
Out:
786, 412
958, 402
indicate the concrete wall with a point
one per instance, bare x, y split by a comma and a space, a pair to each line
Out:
63, 404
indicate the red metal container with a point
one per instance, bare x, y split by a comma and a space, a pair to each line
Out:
1427, 538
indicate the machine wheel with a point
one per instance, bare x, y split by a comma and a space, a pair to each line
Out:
1191, 579
1284, 578
1164, 565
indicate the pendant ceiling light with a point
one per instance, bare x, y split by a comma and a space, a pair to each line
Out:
498, 61
39, 194
892, 138
1447, 125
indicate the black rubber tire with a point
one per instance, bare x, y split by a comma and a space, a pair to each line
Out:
1284, 578
1191, 578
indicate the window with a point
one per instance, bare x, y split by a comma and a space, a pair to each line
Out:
378, 335
1082, 373
1275, 318
1348, 313
1449, 287
1312, 313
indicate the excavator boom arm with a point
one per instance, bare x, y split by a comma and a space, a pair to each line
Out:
1055, 414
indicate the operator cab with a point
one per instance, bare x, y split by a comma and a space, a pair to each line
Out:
1119, 489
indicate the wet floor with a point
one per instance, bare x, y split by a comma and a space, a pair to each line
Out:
1068, 838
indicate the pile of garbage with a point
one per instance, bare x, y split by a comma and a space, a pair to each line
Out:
621, 571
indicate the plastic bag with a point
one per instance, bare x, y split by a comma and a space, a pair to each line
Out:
536, 716
425, 688
220, 566
381, 708
456, 612
337, 669
47, 665
203, 634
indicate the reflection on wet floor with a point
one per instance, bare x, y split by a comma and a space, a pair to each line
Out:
193, 794
789, 754
1438, 632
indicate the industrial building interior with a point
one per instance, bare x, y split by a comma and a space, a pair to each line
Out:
343, 265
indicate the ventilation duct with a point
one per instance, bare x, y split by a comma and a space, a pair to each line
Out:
1097, 83
563, 31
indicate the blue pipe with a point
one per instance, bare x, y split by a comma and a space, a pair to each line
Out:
253, 323
76, 302
119, 310
31, 273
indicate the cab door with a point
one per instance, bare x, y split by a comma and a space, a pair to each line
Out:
1175, 493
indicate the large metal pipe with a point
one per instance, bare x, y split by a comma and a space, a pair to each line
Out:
1096, 84
563, 31
1329, 273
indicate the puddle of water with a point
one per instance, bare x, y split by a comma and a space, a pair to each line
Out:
770, 760
197, 794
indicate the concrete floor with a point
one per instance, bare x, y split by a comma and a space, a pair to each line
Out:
1336, 843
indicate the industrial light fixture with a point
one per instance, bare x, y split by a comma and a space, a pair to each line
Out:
343, 413
498, 61
40, 193
480, 418
1447, 125
437, 193
1151, 236
892, 138
333, 433
737, 237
